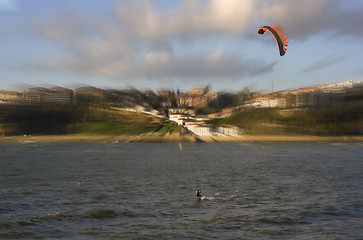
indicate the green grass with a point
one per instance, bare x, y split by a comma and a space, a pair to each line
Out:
73, 118
332, 121
335, 120
169, 127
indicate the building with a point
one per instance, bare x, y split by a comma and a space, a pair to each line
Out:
10, 96
199, 91
318, 96
229, 130
201, 130
175, 116
265, 101
56, 94
59, 94
337, 87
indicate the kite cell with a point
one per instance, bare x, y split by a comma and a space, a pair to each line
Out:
279, 36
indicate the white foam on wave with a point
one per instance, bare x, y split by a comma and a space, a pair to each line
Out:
217, 196
207, 198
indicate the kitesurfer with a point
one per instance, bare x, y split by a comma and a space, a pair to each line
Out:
197, 192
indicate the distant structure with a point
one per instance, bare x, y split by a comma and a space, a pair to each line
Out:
55, 94
199, 91
198, 125
168, 101
317, 96
181, 108
10, 96
202, 97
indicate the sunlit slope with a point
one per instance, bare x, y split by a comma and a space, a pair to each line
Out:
332, 121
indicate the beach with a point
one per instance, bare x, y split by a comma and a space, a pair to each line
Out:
176, 138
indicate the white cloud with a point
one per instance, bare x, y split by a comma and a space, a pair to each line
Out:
139, 42
189, 20
302, 19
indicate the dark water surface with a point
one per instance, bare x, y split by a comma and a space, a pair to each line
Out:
147, 191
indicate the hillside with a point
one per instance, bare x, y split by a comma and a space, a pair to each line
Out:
341, 119
336, 120
77, 118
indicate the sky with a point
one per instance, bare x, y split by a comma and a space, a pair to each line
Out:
179, 44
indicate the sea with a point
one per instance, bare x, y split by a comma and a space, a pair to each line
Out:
147, 190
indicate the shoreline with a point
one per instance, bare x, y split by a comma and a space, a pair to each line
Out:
280, 138
73, 138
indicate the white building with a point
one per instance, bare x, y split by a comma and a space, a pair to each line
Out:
229, 130
201, 130
336, 87
176, 116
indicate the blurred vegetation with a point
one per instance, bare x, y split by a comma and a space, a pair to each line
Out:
330, 121
169, 128
88, 118
73, 118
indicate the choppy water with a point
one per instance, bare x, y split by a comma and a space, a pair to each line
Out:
147, 191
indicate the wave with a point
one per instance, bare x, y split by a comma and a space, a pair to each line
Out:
98, 213
17, 234
338, 144
207, 198
101, 213
52, 216
100, 197
217, 196
11, 224
280, 220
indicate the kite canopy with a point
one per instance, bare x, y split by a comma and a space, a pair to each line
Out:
279, 36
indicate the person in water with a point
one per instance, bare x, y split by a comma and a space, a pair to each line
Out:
197, 192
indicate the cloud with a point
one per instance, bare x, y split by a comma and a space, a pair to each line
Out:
138, 42
193, 19
189, 20
301, 20
322, 63
66, 26
9, 5
164, 66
